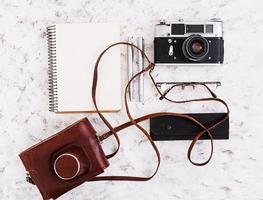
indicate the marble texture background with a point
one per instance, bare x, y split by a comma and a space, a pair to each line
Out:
235, 171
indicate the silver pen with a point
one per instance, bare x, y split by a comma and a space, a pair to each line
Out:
140, 43
130, 66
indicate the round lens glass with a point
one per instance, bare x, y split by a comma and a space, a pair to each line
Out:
197, 47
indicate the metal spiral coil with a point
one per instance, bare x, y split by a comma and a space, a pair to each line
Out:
52, 69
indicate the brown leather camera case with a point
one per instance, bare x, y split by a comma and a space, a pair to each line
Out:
81, 144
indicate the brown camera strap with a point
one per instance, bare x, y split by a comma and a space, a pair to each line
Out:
113, 131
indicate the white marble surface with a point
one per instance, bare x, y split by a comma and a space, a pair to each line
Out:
235, 171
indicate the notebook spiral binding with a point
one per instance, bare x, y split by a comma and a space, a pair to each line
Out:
52, 69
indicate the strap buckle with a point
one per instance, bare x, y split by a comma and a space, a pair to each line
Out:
29, 179
99, 139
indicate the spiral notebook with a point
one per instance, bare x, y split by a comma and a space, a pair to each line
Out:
73, 50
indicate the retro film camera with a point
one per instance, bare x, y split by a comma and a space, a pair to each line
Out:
189, 43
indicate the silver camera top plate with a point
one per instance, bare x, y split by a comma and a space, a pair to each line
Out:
212, 28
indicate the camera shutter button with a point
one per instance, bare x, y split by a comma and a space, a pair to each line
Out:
67, 166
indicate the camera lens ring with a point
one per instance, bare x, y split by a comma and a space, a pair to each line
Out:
188, 45
76, 161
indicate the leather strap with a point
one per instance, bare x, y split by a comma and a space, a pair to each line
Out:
113, 131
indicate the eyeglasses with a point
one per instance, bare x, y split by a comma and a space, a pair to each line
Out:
161, 88
166, 87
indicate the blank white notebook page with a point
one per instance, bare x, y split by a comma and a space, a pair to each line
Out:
77, 49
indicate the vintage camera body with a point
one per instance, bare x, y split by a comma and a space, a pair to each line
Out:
189, 43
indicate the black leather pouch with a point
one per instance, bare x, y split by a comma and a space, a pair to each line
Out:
177, 128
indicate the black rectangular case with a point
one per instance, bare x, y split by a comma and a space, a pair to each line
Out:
176, 128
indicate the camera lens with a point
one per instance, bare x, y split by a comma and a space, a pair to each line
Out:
195, 47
